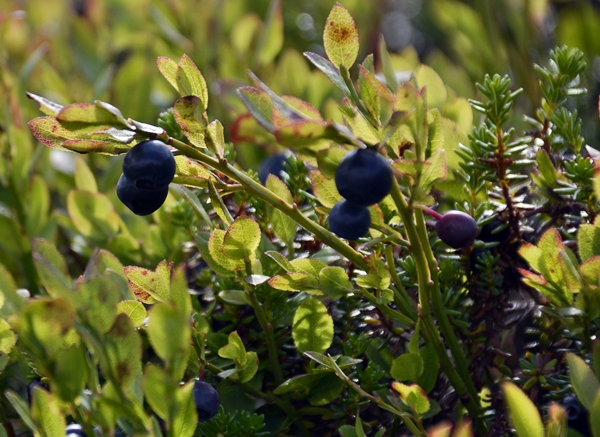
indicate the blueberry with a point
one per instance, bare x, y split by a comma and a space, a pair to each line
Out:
349, 221
364, 177
140, 201
149, 165
75, 430
271, 165
577, 415
207, 400
457, 229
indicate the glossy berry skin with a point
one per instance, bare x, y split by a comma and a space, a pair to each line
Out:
271, 165
577, 416
138, 200
75, 430
364, 177
149, 165
207, 401
349, 221
457, 229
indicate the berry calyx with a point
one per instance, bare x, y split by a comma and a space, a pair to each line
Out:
457, 229
364, 177
140, 201
349, 221
207, 400
149, 165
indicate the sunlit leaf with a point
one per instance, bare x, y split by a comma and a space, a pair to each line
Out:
340, 37
312, 328
522, 412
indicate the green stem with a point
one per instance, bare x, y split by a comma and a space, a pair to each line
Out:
462, 382
386, 310
267, 328
402, 299
268, 196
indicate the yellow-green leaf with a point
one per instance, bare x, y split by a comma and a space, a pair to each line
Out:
312, 328
134, 309
522, 412
241, 239
340, 37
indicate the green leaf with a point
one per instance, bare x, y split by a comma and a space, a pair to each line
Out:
21, 408
7, 337
47, 415
51, 268
429, 376
407, 367
259, 105
184, 417
48, 107
324, 189
159, 390
272, 36
124, 351
312, 328
585, 382
234, 297
329, 159
325, 390
168, 69
378, 86
434, 170
436, 90
547, 170
413, 396
334, 282
588, 241
522, 412
241, 239
148, 286
38, 206
88, 113
298, 134
215, 247
340, 37
170, 335
92, 214
134, 310
179, 294
191, 173
388, 68
308, 265
70, 374
246, 373
98, 298
202, 241
190, 81
84, 178
188, 114
283, 226
295, 282
595, 416
234, 350
330, 70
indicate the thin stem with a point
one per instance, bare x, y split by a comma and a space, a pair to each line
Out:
268, 196
386, 310
426, 284
403, 299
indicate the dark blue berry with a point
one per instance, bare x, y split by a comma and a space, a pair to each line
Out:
207, 400
31, 387
75, 430
149, 165
139, 200
271, 165
577, 416
349, 221
457, 229
364, 177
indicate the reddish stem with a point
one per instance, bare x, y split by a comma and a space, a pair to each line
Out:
436, 215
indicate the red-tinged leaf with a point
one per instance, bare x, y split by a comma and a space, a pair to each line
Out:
191, 173
191, 82
245, 129
148, 286
330, 70
340, 37
48, 107
303, 107
188, 114
306, 133
86, 113
537, 279
533, 255
95, 146
379, 86
259, 105
590, 270
324, 189
50, 132
168, 69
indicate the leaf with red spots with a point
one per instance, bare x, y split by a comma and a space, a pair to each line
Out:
188, 115
340, 37
324, 189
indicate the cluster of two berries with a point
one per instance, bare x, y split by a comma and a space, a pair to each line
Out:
148, 169
363, 178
